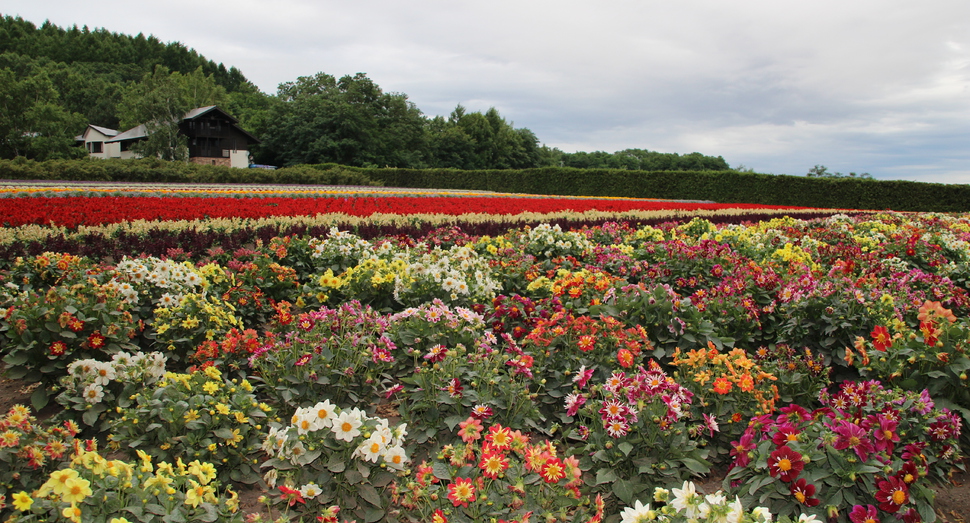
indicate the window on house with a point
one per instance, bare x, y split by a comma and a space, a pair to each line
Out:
95, 147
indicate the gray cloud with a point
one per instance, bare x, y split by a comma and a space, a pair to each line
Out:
879, 86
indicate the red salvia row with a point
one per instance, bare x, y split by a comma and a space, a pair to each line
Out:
72, 211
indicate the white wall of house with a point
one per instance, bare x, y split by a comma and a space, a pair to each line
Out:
239, 158
94, 142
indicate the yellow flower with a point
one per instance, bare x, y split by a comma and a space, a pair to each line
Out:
165, 468
72, 513
191, 415
213, 373
119, 520
22, 501
235, 439
57, 482
210, 387
190, 323
233, 502
240, 417
222, 408
76, 490
246, 386
204, 471
198, 494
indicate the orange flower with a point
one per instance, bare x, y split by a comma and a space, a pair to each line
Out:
881, 339
722, 385
461, 492
625, 358
746, 383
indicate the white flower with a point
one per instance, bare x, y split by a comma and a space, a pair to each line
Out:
104, 372
93, 393
371, 449
686, 499
310, 490
400, 432
737, 511
808, 519
346, 426
635, 514
296, 451
323, 414
272, 440
762, 514
270, 477
395, 457
304, 420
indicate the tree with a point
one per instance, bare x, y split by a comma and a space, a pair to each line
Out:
34, 124
821, 171
349, 121
159, 102
481, 141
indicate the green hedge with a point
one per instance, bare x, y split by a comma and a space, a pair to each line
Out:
158, 171
717, 186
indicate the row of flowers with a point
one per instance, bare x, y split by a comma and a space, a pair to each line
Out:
20, 189
74, 211
647, 355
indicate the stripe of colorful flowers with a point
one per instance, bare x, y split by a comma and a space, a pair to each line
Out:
538, 371
75, 211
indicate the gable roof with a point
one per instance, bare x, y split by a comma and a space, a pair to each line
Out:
141, 131
135, 133
103, 130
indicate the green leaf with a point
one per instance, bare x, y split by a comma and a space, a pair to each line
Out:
336, 464
696, 465
372, 514
40, 398
90, 417
627, 490
441, 471
605, 476
16, 373
625, 447
15, 358
369, 494
353, 477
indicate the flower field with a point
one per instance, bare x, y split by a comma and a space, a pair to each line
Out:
458, 357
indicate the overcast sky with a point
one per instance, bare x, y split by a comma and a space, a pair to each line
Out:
878, 86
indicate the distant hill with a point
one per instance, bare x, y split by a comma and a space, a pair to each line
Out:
88, 68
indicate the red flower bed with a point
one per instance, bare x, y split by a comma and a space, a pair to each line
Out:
72, 211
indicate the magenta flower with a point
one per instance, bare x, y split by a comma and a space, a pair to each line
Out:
740, 449
885, 434
866, 514
852, 436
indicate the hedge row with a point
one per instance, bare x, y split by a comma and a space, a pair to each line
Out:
717, 186
153, 170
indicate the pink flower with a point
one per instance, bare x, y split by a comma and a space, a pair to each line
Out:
573, 403
582, 376
866, 514
852, 436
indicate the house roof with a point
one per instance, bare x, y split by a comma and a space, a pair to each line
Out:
142, 132
134, 133
103, 130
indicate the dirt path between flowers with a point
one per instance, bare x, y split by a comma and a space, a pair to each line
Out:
952, 502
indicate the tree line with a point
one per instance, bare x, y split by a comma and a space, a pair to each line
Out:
55, 81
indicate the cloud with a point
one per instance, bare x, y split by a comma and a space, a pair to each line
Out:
881, 86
